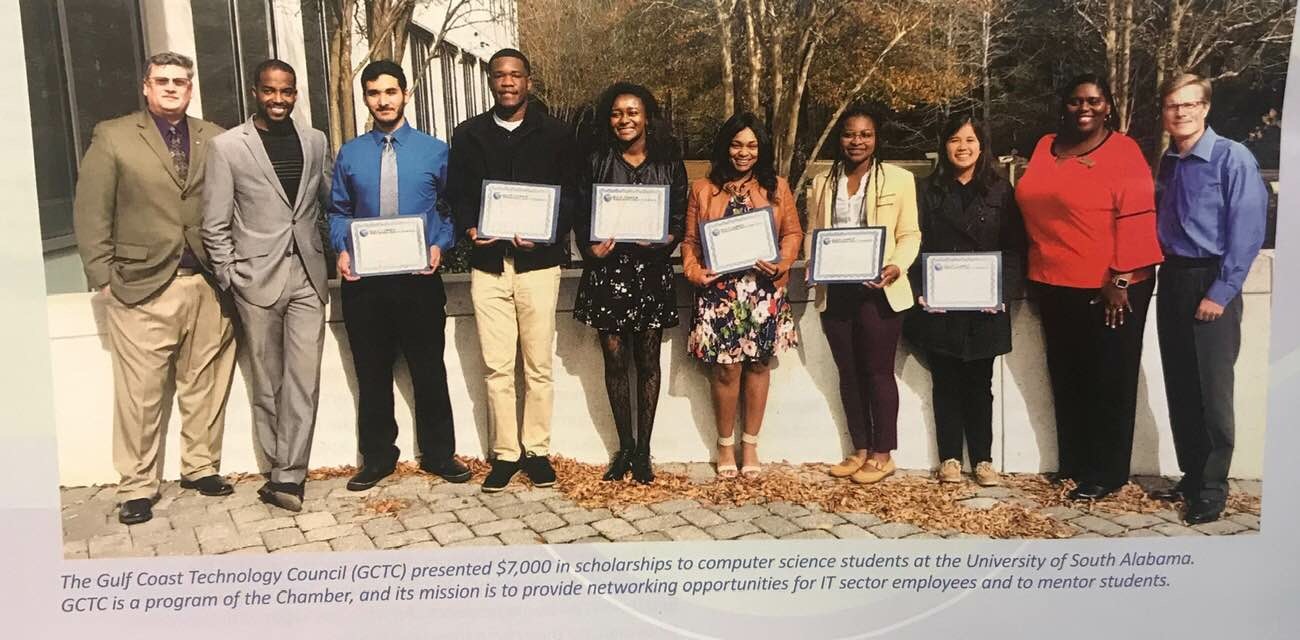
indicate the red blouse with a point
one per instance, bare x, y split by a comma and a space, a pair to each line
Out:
1089, 215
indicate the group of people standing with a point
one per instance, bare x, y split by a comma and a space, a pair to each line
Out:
182, 227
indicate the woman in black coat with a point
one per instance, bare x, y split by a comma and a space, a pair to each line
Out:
965, 206
626, 292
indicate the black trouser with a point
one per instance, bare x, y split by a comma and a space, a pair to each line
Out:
963, 406
1198, 359
384, 315
1094, 372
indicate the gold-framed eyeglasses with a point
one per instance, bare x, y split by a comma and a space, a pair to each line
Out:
179, 83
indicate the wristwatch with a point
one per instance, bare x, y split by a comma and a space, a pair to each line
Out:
1120, 282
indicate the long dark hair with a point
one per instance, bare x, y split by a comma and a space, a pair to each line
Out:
659, 142
837, 165
1067, 91
986, 172
720, 169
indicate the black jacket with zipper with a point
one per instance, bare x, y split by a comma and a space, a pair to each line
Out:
541, 151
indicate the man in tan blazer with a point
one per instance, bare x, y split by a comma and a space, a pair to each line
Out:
136, 218
266, 181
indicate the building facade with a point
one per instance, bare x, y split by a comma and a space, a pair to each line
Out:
84, 65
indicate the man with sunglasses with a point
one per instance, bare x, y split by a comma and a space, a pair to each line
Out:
1211, 207
136, 218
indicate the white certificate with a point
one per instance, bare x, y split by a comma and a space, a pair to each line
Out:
847, 254
389, 245
629, 213
736, 242
963, 281
511, 209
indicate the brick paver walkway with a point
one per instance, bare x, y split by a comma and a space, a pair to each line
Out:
417, 511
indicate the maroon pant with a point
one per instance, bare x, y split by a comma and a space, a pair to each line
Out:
863, 330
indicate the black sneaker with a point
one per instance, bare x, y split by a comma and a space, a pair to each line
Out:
499, 477
449, 469
641, 470
619, 465
539, 470
368, 477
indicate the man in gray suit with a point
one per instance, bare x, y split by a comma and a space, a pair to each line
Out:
266, 182
136, 217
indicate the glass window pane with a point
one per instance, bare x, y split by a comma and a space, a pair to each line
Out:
317, 48
47, 96
214, 45
255, 35
104, 61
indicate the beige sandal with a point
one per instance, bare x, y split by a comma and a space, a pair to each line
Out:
727, 471
750, 470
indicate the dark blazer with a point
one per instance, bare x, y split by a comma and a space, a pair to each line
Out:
601, 168
133, 215
541, 151
991, 223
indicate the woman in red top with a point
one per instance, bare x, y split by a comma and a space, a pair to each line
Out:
1089, 208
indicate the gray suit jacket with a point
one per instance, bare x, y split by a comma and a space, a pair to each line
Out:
133, 214
250, 224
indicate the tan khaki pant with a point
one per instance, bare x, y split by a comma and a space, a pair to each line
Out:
181, 336
517, 310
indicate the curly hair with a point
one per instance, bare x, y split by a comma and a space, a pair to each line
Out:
659, 142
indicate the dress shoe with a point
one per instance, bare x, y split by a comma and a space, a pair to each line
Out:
950, 471
1091, 491
500, 475
1175, 493
135, 511
211, 485
538, 469
286, 495
847, 468
449, 469
873, 471
1203, 511
368, 477
642, 471
619, 465
986, 475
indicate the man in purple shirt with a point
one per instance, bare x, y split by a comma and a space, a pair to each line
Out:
1211, 206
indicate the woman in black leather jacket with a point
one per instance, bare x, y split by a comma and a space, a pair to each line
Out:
626, 292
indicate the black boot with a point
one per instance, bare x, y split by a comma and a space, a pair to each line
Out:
641, 470
619, 465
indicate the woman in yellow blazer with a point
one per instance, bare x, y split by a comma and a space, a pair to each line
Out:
862, 322
741, 319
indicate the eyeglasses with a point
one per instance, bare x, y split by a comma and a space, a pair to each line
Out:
1180, 107
179, 83
1092, 101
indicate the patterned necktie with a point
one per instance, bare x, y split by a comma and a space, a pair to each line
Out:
180, 159
388, 179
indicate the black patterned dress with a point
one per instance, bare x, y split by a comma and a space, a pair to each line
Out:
631, 289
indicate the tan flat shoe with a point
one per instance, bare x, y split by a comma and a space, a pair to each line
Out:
847, 468
873, 472
950, 471
986, 475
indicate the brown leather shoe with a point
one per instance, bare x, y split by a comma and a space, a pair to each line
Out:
986, 475
950, 471
873, 472
847, 468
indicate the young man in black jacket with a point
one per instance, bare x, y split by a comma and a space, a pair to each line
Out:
514, 283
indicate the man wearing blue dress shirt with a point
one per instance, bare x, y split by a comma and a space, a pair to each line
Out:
395, 170
1211, 210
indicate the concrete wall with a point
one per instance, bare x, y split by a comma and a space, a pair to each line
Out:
804, 421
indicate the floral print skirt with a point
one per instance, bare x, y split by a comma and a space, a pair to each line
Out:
625, 293
741, 317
